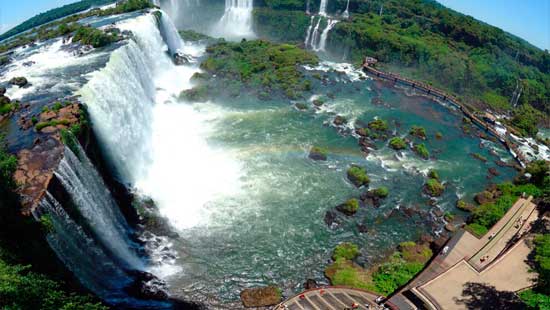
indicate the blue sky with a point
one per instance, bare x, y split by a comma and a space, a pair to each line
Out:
528, 19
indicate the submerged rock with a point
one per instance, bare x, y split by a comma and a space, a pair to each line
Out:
19, 81
310, 284
181, 59
318, 153
147, 286
339, 120
261, 296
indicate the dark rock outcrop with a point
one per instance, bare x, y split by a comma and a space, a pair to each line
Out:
19, 81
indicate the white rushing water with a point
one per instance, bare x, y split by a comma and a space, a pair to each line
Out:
323, 41
81, 254
158, 144
236, 22
323, 8
96, 205
315, 38
346, 12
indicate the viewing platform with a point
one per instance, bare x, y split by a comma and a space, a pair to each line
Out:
334, 298
498, 259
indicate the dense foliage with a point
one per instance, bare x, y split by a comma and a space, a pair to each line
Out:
422, 39
23, 289
487, 214
449, 50
54, 14
539, 297
261, 65
384, 278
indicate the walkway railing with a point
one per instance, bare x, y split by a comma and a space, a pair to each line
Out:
430, 90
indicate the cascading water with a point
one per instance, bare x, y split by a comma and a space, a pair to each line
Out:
170, 35
154, 141
323, 41
315, 39
96, 205
346, 12
236, 22
81, 254
323, 8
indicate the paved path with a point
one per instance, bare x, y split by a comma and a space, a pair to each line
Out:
331, 298
462, 262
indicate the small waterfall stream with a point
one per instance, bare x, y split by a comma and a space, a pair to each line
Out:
323, 8
346, 12
315, 38
236, 22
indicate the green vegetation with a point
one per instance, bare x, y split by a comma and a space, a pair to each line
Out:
23, 289
358, 176
198, 93
52, 15
351, 206
286, 26
321, 151
487, 214
397, 143
434, 188
422, 150
94, 37
426, 41
539, 296
526, 120
193, 36
345, 250
52, 123
47, 224
433, 174
261, 65
418, 131
68, 25
378, 125
8, 164
381, 192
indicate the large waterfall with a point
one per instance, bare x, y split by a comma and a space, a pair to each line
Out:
236, 22
156, 143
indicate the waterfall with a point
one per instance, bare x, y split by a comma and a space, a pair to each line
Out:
346, 12
95, 203
315, 39
156, 144
81, 254
324, 35
323, 8
236, 22
309, 30
170, 34
120, 99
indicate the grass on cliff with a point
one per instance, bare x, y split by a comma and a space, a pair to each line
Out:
261, 64
385, 278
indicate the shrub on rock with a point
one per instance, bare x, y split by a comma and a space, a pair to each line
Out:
397, 143
358, 176
345, 250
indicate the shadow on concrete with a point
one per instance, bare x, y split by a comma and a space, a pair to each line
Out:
477, 296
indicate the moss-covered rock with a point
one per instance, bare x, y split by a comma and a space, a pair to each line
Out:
378, 125
433, 174
339, 120
318, 153
381, 192
397, 143
418, 131
19, 81
345, 250
195, 94
349, 207
434, 188
358, 176
302, 106
464, 206
422, 150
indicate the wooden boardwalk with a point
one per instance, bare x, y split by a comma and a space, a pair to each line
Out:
333, 298
441, 95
